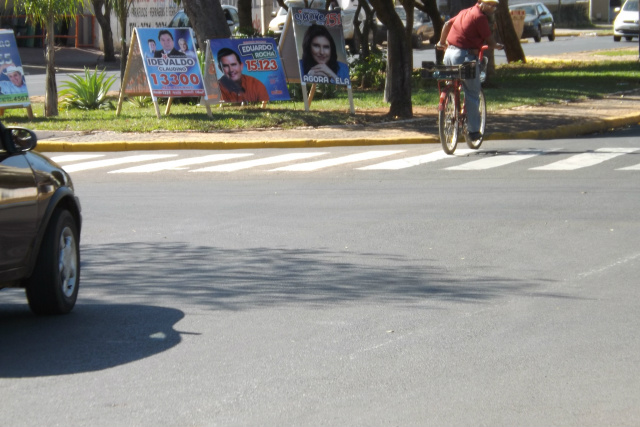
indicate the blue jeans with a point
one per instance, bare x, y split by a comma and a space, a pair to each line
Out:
472, 87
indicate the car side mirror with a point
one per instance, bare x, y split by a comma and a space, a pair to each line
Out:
20, 139
273, 13
616, 10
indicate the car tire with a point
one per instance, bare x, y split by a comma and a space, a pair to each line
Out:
628, 38
53, 287
552, 35
417, 41
538, 35
617, 38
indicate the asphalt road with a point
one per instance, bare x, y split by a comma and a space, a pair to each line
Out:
437, 294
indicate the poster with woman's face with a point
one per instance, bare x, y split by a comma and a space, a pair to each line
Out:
320, 46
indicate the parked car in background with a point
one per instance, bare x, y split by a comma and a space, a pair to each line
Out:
538, 21
39, 225
181, 20
626, 23
422, 27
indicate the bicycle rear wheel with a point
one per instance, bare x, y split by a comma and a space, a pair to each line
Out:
448, 124
475, 144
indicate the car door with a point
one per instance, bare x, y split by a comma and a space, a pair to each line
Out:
546, 20
18, 212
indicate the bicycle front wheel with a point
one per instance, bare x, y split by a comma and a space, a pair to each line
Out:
448, 124
475, 144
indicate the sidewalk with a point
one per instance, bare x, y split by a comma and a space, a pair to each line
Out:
542, 122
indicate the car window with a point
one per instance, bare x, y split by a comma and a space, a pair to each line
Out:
630, 6
540, 10
401, 13
234, 15
180, 20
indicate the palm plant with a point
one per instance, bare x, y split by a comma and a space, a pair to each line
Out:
88, 92
45, 12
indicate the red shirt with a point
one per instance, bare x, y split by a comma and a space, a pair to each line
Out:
470, 29
253, 91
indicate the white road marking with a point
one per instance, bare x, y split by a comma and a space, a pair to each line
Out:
408, 162
630, 168
181, 163
232, 167
113, 162
312, 166
586, 159
74, 157
499, 160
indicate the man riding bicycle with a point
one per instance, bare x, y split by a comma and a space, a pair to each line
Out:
463, 36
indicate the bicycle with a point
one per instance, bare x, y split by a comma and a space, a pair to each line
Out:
452, 114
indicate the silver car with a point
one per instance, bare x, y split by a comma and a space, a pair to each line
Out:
626, 23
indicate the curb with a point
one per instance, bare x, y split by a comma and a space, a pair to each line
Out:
573, 130
565, 131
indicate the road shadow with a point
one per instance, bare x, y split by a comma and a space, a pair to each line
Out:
92, 338
243, 279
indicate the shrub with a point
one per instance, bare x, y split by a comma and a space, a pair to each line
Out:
369, 72
88, 93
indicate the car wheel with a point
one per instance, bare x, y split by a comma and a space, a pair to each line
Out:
538, 35
417, 41
552, 36
628, 38
617, 38
53, 287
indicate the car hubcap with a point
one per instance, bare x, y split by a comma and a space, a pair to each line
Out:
68, 262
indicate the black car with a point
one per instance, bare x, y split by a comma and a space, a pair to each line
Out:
538, 21
40, 224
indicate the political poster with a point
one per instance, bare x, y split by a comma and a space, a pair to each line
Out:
249, 70
13, 86
320, 45
170, 62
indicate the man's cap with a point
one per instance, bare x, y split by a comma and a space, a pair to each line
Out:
13, 69
490, 1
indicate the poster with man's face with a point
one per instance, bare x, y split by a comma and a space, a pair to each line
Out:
249, 70
320, 45
13, 86
170, 62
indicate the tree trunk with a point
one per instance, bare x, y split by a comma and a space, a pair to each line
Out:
244, 15
124, 50
399, 60
207, 19
430, 7
507, 33
104, 20
51, 90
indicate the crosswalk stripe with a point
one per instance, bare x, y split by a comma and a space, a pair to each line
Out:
586, 159
74, 157
181, 163
232, 167
408, 162
312, 166
500, 160
113, 162
630, 168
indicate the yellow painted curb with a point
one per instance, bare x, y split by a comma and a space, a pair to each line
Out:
565, 131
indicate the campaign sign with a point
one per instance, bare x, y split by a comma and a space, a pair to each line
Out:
13, 87
320, 46
249, 70
170, 62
